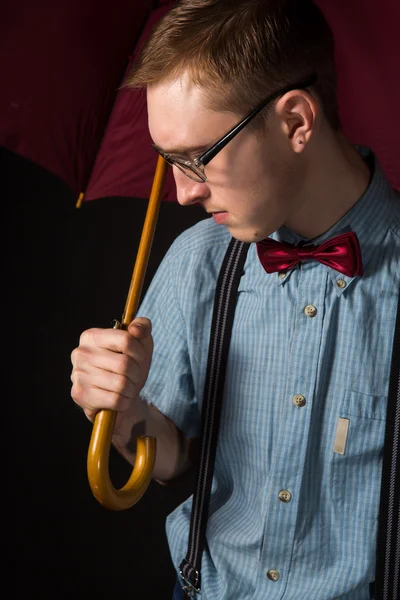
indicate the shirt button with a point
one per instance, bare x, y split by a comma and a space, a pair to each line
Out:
285, 496
299, 400
282, 275
273, 575
310, 310
341, 283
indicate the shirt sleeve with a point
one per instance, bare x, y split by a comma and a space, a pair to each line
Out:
169, 386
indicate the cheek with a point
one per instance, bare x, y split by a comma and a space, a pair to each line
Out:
256, 183
278, 176
258, 166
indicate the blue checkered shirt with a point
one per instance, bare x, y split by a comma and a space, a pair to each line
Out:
294, 509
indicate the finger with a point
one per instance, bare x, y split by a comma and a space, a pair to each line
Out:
91, 389
91, 400
83, 358
140, 328
116, 340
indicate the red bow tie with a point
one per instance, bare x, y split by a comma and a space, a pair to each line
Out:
342, 253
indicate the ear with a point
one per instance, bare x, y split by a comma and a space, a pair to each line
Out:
297, 111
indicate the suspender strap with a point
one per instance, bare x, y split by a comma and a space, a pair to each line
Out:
387, 576
221, 327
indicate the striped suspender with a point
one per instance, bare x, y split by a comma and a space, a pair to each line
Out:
387, 579
387, 576
221, 327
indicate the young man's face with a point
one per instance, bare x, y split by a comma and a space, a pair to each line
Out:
252, 184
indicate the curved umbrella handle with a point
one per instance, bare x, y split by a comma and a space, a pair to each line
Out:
104, 422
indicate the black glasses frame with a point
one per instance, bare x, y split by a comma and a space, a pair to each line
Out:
196, 166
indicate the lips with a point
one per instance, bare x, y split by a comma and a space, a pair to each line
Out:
220, 217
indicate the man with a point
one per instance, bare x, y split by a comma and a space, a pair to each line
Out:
295, 497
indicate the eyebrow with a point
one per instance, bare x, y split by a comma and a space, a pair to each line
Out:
182, 150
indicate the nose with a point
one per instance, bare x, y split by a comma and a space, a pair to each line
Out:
189, 191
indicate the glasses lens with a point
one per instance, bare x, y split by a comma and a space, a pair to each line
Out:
190, 172
194, 172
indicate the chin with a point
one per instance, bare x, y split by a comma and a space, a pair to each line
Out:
249, 237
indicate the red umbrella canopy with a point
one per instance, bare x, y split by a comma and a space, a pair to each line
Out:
368, 58
126, 162
62, 65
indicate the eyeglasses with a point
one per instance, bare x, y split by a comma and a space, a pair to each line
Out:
195, 168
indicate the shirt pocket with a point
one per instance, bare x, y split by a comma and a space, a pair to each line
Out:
356, 474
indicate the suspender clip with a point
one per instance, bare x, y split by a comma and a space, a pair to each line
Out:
188, 588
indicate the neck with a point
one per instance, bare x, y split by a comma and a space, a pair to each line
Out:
335, 179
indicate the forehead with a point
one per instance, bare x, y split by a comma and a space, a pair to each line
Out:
179, 116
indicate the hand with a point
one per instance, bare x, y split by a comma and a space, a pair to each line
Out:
110, 367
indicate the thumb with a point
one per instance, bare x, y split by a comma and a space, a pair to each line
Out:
140, 328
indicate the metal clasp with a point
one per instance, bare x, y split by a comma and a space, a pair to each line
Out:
189, 589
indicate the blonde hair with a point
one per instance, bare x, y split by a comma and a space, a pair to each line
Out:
240, 51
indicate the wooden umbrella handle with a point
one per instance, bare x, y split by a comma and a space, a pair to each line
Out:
104, 422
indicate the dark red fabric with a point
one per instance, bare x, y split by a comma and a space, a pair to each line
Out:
368, 64
61, 63
368, 58
61, 66
126, 162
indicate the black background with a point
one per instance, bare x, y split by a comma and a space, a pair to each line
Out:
65, 270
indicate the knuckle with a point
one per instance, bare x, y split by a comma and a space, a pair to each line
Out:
87, 336
123, 363
84, 337
77, 356
118, 402
77, 392
120, 383
73, 356
126, 343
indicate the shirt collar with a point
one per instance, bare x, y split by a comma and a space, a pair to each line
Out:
370, 218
